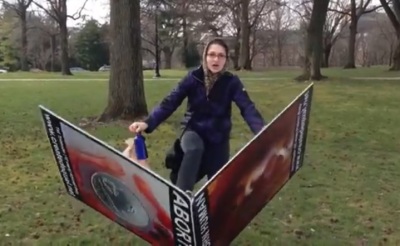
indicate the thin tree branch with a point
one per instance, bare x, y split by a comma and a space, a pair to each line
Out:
391, 15
258, 14
343, 12
148, 41
149, 50
373, 9
55, 16
79, 12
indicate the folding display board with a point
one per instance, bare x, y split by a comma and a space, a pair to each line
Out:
159, 212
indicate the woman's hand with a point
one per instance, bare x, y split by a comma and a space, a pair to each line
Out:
138, 127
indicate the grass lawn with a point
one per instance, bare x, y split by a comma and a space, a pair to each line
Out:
346, 193
273, 73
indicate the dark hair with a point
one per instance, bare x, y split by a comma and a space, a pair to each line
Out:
220, 42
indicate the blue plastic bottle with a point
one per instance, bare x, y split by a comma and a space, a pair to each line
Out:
140, 147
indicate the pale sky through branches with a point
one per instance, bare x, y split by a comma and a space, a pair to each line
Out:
96, 9
99, 9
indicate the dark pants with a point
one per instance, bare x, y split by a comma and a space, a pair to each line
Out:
200, 159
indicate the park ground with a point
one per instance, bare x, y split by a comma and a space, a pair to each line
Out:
346, 193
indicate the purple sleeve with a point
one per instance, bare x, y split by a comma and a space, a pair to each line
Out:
168, 105
247, 108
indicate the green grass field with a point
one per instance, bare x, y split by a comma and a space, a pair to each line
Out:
346, 193
276, 73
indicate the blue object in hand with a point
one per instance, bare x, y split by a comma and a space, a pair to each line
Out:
140, 147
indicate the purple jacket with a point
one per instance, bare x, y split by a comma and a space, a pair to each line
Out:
212, 114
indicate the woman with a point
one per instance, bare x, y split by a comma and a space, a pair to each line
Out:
210, 90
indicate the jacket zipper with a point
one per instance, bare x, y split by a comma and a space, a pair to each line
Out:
208, 99
204, 87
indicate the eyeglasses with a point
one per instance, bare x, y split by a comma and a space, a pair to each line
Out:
214, 55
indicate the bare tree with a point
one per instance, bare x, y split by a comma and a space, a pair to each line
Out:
394, 16
250, 13
210, 15
182, 13
46, 28
356, 11
375, 44
303, 9
233, 27
387, 34
42, 46
279, 22
126, 97
57, 10
313, 52
244, 58
20, 8
335, 22
169, 30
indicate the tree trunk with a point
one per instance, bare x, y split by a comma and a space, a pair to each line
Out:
306, 75
126, 97
64, 48
352, 38
42, 58
168, 57
393, 17
313, 51
24, 42
53, 53
352, 47
280, 50
185, 40
184, 32
317, 56
235, 57
244, 59
327, 54
395, 66
264, 59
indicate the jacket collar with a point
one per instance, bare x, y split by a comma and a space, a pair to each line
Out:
198, 74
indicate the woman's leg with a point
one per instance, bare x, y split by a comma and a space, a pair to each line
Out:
215, 157
193, 148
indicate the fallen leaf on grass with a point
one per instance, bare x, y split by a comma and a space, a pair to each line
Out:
334, 220
39, 222
298, 233
362, 242
35, 235
388, 231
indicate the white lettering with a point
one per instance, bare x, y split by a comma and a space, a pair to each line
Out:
203, 220
66, 160
300, 140
182, 220
296, 140
181, 213
72, 189
183, 229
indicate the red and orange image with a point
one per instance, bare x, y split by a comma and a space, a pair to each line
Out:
252, 178
121, 192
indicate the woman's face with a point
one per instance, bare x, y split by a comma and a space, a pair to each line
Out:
216, 58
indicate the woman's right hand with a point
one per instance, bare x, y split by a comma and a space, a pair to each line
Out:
137, 127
